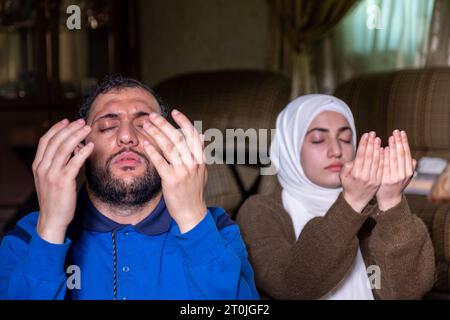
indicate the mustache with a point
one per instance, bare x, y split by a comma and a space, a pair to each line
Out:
143, 156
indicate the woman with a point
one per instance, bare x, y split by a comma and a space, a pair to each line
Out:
319, 235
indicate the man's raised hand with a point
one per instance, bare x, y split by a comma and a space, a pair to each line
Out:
55, 173
180, 162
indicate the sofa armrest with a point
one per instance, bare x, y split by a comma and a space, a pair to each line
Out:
436, 216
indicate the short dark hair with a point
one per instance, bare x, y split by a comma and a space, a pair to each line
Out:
117, 82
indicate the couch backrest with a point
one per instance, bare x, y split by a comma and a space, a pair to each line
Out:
231, 99
417, 101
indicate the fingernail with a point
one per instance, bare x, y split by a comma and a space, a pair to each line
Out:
365, 135
65, 121
80, 121
175, 112
146, 143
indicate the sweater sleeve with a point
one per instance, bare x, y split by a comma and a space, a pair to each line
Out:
216, 261
30, 267
309, 267
400, 247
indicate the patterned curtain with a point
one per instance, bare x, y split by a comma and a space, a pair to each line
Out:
296, 26
439, 45
376, 36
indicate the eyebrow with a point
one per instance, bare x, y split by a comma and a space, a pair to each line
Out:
326, 130
112, 115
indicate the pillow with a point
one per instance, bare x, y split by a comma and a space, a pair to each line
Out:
441, 187
428, 171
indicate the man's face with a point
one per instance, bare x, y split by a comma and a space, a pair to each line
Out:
119, 171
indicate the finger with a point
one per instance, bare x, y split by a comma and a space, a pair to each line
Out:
43, 141
360, 153
168, 148
160, 164
400, 154
408, 158
368, 157
55, 142
346, 169
191, 133
66, 148
376, 160
203, 148
381, 165
74, 165
393, 165
174, 135
387, 165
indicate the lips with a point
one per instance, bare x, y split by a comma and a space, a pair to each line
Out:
335, 167
127, 159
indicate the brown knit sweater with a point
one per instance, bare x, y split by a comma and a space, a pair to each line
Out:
308, 268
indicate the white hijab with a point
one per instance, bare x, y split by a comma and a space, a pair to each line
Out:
303, 199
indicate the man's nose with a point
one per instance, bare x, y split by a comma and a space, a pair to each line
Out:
127, 136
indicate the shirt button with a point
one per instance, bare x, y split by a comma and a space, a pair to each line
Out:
125, 269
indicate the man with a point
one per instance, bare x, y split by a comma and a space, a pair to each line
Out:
139, 228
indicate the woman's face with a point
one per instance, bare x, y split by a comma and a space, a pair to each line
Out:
326, 147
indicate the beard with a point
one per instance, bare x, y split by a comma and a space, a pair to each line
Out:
119, 193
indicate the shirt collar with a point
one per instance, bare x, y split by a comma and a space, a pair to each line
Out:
157, 222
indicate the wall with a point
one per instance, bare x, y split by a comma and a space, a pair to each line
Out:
179, 36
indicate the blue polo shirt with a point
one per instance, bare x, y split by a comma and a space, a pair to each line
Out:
102, 259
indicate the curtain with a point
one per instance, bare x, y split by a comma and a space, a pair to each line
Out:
296, 26
377, 35
439, 44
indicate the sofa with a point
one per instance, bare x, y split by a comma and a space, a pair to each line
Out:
417, 101
229, 99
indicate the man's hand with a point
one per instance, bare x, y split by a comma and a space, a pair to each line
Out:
55, 175
362, 177
397, 173
181, 167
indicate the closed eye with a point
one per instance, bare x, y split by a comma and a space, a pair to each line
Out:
107, 129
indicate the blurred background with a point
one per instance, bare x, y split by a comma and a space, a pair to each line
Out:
231, 63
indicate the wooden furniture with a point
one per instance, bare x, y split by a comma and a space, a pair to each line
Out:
47, 68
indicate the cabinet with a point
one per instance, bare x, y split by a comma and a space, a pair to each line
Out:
46, 68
